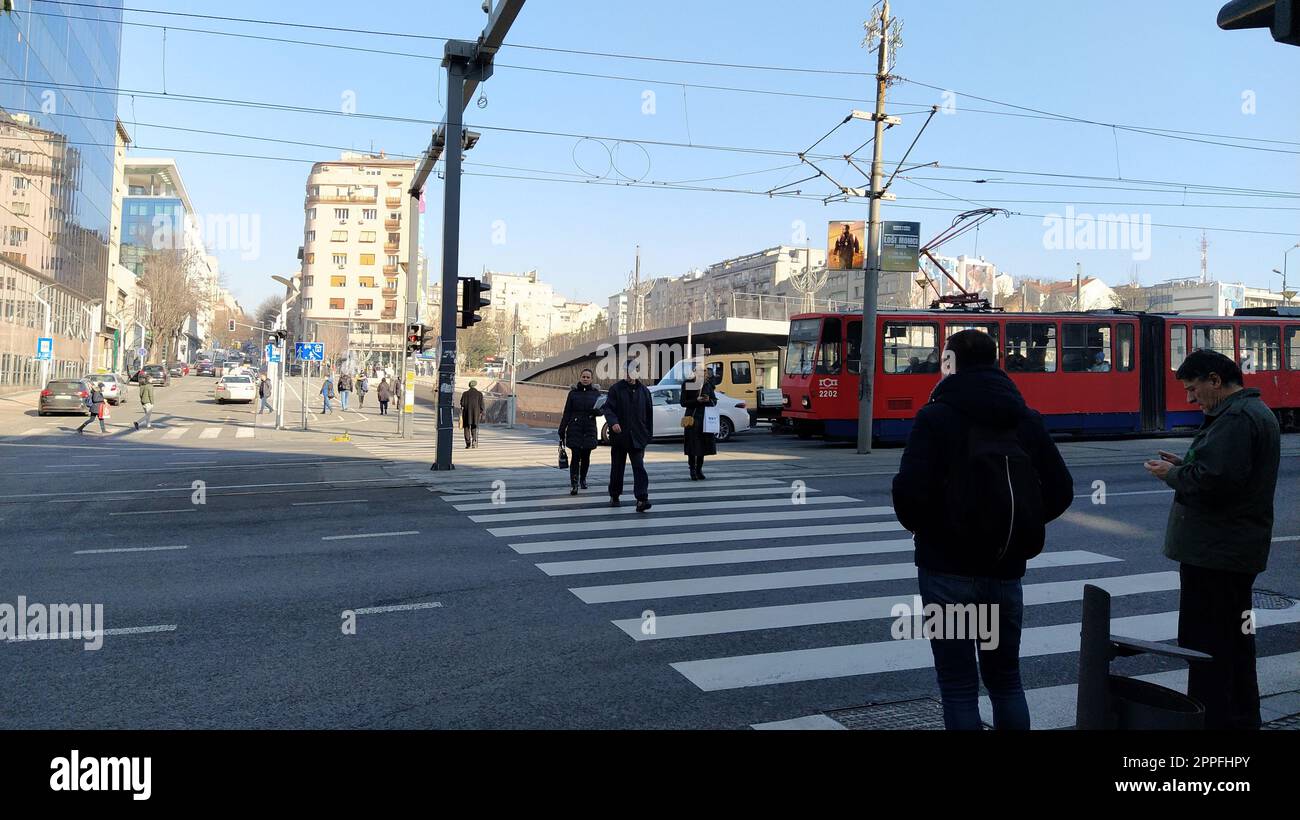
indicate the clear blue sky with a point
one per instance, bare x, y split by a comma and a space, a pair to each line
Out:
1155, 64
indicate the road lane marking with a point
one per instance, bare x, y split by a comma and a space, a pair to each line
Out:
129, 549
154, 512
715, 557
534, 492
599, 498
210, 432
606, 510
758, 534
375, 610
175, 432
368, 535
244, 432
317, 503
123, 630
186, 489
794, 513
1287, 538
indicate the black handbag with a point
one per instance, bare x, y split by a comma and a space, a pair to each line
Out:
564, 457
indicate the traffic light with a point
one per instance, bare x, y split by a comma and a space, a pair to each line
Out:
428, 340
1281, 17
231, 328
414, 337
281, 334
472, 298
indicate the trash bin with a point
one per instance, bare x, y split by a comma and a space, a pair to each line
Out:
1138, 704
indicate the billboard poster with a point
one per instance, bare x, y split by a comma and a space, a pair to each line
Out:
900, 246
845, 245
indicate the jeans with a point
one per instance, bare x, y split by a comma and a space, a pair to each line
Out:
326, 408
618, 458
265, 404
148, 413
93, 417
343, 399
955, 660
383, 407
1211, 607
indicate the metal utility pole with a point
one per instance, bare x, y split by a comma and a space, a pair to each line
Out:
514, 367
1078, 286
468, 64
871, 276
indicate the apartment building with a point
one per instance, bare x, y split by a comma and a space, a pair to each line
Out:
524, 302
356, 244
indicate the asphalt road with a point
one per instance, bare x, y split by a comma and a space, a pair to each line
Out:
729, 605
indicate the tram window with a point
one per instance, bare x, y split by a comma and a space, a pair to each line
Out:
910, 347
1218, 339
1293, 347
740, 373
1085, 348
1177, 346
1031, 348
828, 352
855, 347
1261, 348
1124, 357
802, 343
992, 330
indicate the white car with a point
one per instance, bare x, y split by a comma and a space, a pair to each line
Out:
234, 388
114, 387
666, 414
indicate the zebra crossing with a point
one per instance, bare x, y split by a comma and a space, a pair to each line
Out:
746, 577
159, 432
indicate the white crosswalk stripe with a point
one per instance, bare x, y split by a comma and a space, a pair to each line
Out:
691, 562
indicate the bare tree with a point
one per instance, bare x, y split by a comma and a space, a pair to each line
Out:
267, 312
174, 297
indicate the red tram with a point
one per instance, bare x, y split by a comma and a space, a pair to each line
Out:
1090, 373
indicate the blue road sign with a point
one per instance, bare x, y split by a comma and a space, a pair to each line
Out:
44, 349
272, 353
310, 351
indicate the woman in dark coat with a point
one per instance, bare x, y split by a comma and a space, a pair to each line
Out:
696, 443
385, 394
578, 428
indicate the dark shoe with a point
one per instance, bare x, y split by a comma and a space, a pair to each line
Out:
643, 505
582, 484
137, 424
694, 477
700, 475
613, 501
573, 488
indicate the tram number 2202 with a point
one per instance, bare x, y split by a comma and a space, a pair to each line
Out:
828, 389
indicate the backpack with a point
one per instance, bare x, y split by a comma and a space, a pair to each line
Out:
994, 497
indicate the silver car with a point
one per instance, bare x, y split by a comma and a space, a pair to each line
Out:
115, 390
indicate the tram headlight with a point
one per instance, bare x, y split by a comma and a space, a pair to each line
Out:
807, 405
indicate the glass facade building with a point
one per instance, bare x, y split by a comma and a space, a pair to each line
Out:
58, 79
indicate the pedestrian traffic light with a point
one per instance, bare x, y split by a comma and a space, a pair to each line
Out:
282, 334
231, 328
414, 336
472, 298
428, 339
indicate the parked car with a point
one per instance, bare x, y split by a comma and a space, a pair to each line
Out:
63, 396
206, 368
114, 386
235, 388
176, 369
666, 414
155, 374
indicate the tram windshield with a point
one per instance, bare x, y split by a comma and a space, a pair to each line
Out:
802, 346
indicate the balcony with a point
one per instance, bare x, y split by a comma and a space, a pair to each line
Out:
390, 270
393, 224
389, 293
394, 183
392, 247
342, 200
393, 201
388, 314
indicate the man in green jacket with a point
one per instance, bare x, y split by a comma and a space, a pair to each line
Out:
146, 403
1220, 529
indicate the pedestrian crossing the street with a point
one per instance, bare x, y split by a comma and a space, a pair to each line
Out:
755, 581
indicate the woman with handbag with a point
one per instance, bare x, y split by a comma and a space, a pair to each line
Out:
695, 442
578, 429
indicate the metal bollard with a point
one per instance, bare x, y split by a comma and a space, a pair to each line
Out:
1107, 701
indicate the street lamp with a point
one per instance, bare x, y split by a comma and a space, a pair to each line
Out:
90, 338
45, 331
290, 293
1286, 300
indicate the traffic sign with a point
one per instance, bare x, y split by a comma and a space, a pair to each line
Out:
44, 349
309, 351
272, 353
140, 351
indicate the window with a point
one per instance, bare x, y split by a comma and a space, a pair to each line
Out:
336, 304
1085, 348
338, 281
740, 373
340, 258
366, 281
1261, 348
367, 236
311, 213
1293, 347
312, 190
799, 348
855, 347
308, 281
310, 258
990, 329
659, 398
369, 213
21, 183
1124, 354
1177, 346
368, 259
394, 215
365, 304
306, 303
394, 238
338, 236
828, 352
910, 347
17, 236
311, 236
392, 260
21, 209
340, 213
1031, 347
1219, 339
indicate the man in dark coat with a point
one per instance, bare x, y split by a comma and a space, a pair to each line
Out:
471, 413
951, 569
578, 428
627, 414
1220, 531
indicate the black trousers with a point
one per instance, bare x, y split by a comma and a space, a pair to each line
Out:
470, 429
578, 464
1213, 612
696, 464
618, 458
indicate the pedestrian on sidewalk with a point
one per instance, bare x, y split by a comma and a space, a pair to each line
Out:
345, 388
363, 387
471, 413
627, 414
978, 482
264, 395
577, 427
146, 404
327, 393
96, 408
399, 393
696, 443
1220, 530
384, 392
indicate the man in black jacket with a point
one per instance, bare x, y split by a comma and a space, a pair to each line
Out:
951, 568
627, 414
